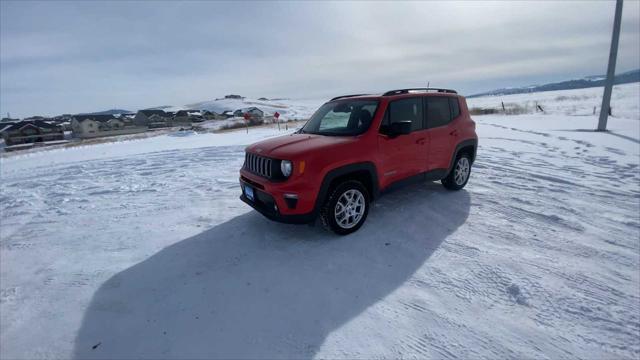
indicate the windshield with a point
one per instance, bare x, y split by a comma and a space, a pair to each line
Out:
342, 118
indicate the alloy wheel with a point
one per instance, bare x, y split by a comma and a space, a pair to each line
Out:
349, 209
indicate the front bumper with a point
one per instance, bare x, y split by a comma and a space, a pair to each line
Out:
265, 204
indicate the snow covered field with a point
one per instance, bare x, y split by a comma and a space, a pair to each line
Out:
142, 249
578, 102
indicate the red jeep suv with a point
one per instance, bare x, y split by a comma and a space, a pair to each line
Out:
353, 148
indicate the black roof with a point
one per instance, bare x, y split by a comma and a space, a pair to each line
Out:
400, 92
19, 124
153, 112
407, 91
346, 96
100, 118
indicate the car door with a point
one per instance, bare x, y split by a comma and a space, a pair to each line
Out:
402, 155
441, 132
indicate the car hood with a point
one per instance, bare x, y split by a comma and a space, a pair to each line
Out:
291, 146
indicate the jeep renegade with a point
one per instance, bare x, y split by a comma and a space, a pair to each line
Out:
353, 148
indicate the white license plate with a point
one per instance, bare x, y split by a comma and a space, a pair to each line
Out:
248, 192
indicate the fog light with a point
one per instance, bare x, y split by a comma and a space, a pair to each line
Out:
275, 207
291, 200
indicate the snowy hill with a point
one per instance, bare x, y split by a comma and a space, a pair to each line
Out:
141, 249
586, 82
288, 109
578, 102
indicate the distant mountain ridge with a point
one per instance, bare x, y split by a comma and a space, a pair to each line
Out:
109, 112
586, 82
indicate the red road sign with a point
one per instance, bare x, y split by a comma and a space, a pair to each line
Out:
276, 115
247, 116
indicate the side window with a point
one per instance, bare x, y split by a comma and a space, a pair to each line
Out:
455, 107
401, 110
438, 111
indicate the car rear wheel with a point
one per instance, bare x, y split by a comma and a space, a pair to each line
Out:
459, 175
346, 208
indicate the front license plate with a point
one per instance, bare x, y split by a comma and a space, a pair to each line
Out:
248, 192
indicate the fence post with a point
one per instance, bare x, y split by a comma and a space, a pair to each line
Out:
503, 106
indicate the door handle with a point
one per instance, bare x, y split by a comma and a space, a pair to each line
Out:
420, 141
454, 133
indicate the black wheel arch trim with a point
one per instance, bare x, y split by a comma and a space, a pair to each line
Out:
460, 146
333, 174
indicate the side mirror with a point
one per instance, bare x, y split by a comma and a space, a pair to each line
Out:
401, 128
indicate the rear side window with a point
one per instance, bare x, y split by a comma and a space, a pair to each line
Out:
401, 110
438, 111
455, 107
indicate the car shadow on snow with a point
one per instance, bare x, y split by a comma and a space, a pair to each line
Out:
251, 288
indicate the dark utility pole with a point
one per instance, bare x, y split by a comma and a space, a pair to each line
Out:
611, 69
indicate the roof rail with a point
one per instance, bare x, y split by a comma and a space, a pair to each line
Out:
407, 91
346, 96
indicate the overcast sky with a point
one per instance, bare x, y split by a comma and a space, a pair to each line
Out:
68, 57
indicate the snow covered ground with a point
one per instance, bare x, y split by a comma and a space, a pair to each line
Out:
142, 249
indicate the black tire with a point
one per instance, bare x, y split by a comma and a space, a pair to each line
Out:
458, 166
328, 210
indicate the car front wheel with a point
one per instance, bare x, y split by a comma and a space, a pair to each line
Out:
459, 175
346, 208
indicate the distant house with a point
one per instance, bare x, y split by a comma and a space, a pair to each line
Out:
61, 118
181, 118
152, 119
24, 132
212, 115
185, 117
227, 114
254, 113
127, 119
91, 126
9, 120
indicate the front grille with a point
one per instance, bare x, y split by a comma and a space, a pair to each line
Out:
258, 165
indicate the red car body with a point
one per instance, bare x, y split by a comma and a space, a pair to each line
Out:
374, 158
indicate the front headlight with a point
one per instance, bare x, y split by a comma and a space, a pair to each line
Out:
286, 167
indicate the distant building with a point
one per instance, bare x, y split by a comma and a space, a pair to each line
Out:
24, 132
186, 117
91, 126
227, 114
61, 118
152, 119
212, 115
254, 113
